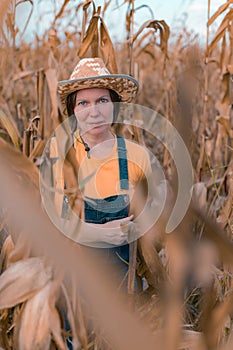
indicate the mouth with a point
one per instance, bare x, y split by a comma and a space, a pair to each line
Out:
96, 125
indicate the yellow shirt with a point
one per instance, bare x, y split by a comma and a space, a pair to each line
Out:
105, 181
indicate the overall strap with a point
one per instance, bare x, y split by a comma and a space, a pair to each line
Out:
123, 163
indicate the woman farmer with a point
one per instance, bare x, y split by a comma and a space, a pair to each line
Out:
92, 95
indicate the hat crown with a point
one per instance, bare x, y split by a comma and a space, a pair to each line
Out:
92, 73
89, 67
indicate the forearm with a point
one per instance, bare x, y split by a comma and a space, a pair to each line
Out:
96, 233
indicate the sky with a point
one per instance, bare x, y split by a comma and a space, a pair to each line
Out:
191, 12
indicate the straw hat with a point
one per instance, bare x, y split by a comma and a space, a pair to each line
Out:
91, 73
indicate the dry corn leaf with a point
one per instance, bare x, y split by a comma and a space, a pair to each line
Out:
230, 68
163, 28
200, 195
221, 31
7, 248
44, 105
9, 125
38, 149
95, 40
26, 277
106, 5
21, 250
226, 212
71, 317
5, 5
53, 43
222, 56
90, 35
34, 330
215, 326
29, 15
218, 145
107, 49
40, 87
84, 20
23, 74
19, 164
70, 166
151, 263
140, 40
220, 10
214, 233
17, 312
79, 317
10, 22
62, 9
55, 327
51, 78
225, 122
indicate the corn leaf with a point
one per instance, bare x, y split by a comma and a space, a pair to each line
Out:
10, 127
38, 149
21, 75
163, 28
25, 276
220, 10
51, 78
95, 40
221, 31
29, 16
84, 20
62, 9
107, 49
90, 34
35, 326
7, 248
106, 5
222, 55
5, 5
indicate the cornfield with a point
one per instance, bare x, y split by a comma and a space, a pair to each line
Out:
188, 301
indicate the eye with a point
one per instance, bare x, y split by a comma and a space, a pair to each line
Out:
81, 103
103, 100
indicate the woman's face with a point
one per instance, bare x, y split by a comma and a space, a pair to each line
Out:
94, 110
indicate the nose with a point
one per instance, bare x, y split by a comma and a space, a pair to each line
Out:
94, 110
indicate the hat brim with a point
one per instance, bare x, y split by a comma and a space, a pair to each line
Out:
124, 85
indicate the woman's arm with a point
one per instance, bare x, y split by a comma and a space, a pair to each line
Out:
111, 232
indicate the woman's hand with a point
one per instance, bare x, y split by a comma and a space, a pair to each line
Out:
117, 223
114, 232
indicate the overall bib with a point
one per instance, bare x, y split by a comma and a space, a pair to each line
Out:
102, 210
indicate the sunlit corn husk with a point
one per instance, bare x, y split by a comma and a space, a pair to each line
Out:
40, 320
26, 277
34, 330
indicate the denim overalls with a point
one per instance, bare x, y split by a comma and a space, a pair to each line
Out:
102, 210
